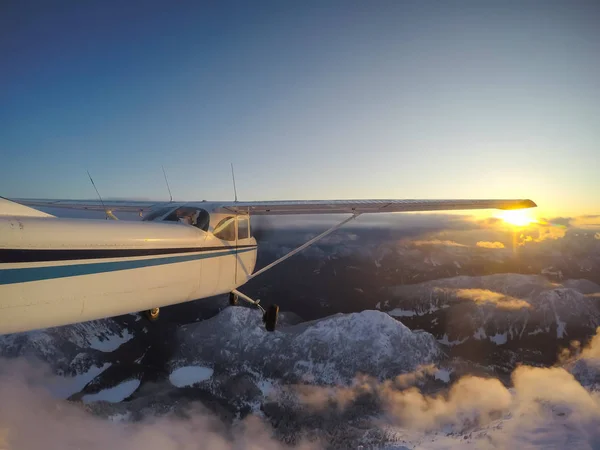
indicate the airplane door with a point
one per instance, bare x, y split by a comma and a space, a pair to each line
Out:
246, 250
225, 232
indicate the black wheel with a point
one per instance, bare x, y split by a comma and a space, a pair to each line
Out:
233, 299
270, 317
152, 314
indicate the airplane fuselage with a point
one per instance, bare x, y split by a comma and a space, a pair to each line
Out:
56, 271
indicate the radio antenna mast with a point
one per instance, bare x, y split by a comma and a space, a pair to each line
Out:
99, 196
168, 187
234, 189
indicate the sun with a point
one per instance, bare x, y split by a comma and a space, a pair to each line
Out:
517, 217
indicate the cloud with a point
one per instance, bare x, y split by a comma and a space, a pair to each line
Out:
499, 300
545, 405
589, 222
554, 385
445, 243
541, 232
490, 222
560, 227
592, 350
577, 352
320, 398
561, 221
544, 229
471, 401
487, 244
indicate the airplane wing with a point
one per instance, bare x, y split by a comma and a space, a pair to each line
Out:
278, 207
367, 206
90, 205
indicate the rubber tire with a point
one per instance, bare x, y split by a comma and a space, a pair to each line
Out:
233, 299
270, 317
152, 317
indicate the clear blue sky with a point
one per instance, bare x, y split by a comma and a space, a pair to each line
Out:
309, 99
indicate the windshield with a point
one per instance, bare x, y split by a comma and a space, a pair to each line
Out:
196, 217
157, 213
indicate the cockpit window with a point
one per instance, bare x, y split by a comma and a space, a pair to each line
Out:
157, 213
243, 227
196, 217
225, 229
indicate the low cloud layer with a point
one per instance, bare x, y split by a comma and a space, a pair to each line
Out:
31, 419
541, 403
541, 408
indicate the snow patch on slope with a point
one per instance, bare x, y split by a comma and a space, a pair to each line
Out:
499, 338
114, 394
64, 387
189, 375
398, 312
111, 342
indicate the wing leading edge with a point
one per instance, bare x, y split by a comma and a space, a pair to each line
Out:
91, 205
368, 206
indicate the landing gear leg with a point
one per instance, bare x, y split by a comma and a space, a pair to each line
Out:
233, 299
269, 316
152, 314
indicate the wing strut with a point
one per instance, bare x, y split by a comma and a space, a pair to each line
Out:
305, 245
270, 315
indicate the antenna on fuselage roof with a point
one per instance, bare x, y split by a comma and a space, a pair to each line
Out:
106, 211
234, 189
168, 187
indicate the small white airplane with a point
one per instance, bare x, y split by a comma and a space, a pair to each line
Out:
57, 271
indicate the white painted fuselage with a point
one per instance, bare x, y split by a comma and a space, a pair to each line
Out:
56, 271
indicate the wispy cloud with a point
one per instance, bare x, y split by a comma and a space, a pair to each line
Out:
319, 398
445, 243
590, 222
499, 300
487, 244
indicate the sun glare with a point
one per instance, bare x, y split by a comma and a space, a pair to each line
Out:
517, 217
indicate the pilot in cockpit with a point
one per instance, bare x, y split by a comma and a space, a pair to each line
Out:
198, 218
183, 216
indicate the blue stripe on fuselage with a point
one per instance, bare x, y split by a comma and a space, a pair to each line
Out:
26, 274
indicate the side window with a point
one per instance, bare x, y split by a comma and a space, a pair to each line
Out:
225, 229
243, 227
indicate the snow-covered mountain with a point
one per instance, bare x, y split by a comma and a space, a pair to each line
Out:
512, 311
326, 351
71, 350
100, 361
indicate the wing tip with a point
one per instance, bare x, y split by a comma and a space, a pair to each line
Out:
521, 204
